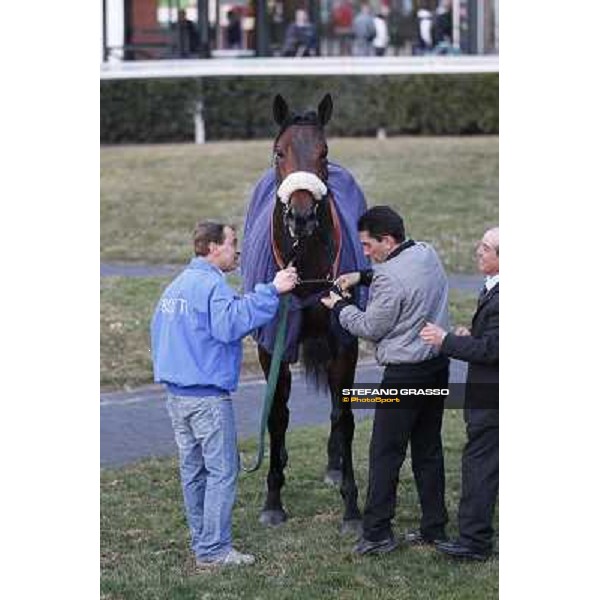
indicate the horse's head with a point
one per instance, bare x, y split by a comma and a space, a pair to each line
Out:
300, 158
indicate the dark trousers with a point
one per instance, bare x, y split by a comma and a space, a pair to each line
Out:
480, 468
393, 428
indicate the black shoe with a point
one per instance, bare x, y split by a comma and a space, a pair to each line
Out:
382, 547
416, 538
458, 550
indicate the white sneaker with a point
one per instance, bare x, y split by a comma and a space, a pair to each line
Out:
237, 558
232, 559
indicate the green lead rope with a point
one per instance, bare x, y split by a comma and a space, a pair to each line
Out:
284, 308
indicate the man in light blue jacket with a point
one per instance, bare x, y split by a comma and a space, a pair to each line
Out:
196, 333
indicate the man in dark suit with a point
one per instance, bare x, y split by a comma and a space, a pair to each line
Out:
480, 463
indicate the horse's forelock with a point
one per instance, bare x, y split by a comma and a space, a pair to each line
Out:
310, 118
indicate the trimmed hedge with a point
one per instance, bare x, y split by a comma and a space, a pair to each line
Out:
161, 110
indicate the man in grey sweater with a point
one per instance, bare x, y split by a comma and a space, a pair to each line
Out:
408, 287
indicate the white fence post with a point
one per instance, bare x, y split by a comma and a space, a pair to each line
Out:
199, 124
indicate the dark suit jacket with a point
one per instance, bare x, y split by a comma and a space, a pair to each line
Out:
481, 350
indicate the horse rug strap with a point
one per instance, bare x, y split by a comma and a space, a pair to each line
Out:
284, 307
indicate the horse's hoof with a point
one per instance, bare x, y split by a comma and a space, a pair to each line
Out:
333, 477
352, 527
273, 518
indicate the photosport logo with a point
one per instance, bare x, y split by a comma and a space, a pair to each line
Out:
455, 395
387, 395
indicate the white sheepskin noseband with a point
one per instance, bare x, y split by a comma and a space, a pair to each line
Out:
301, 180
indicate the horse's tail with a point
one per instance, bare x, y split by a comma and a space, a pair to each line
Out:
316, 356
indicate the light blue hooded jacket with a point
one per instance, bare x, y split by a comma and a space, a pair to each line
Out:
198, 326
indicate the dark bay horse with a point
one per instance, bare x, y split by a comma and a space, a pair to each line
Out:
307, 229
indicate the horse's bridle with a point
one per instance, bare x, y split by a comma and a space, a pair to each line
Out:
297, 239
317, 187
328, 280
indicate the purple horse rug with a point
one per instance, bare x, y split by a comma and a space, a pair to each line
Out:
259, 265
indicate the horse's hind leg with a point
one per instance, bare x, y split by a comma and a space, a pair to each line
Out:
273, 512
341, 375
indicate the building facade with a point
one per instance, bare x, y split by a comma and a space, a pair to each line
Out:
167, 29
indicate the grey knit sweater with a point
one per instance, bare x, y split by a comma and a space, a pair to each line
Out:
406, 291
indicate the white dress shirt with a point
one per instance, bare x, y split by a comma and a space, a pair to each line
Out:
490, 282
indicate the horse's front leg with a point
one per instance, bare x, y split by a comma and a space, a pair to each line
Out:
333, 473
341, 375
273, 512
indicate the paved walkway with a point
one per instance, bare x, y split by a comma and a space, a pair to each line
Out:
461, 282
135, 425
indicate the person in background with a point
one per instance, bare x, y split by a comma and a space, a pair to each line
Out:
300, 36
234, 30
196, 334
342, 16
382, 38
277, 27
424, 43
480, 347
442, 26
185, 38
364, 31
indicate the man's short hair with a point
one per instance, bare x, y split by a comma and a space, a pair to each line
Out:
206, 232
382, 220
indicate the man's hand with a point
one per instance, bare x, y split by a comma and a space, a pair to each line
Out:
460, 330
347, 281
433, 334
329, 301
285, 280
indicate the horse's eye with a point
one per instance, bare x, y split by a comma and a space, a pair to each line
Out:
278, 154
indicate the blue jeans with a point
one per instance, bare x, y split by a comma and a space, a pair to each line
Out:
208, 462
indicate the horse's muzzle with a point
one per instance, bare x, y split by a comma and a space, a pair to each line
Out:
301, 225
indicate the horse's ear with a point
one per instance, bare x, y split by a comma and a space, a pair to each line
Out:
280, 110
325, 109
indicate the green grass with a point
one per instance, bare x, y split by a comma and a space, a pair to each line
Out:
144, 538
151, 196
126, 307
